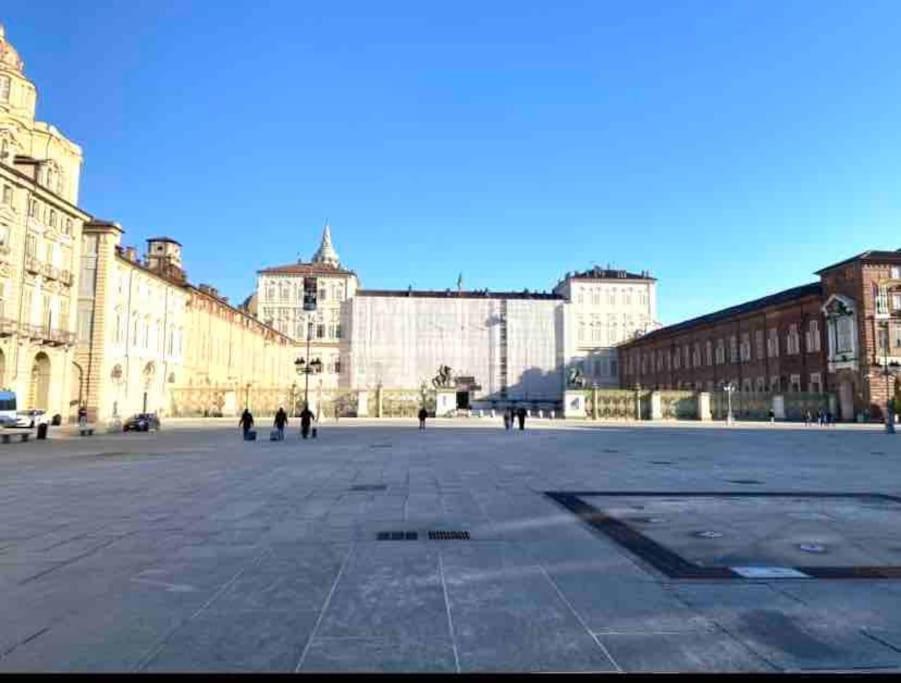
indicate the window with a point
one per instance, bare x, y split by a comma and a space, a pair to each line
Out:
627, 297
772, 343
5, 83
720, 352
745, 347
795, 383
816, 383
813, 337
696, 355
844, 337
758, 343
733, 349
320, 331
595, 297
613, 367
746, 385
709, 353
68, 229
792, 340
52, 218
881, 295
774, 384
611, 296
338, 331
896, 273
7, 195
676, 360
761, 384
337, 366
896, 302
32, 207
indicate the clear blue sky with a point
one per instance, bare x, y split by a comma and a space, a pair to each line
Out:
732, 148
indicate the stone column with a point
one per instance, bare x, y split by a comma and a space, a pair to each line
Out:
378, 401
594, 403
656, 407
704, 414
637, 405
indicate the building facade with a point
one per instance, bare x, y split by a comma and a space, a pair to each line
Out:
40, 237
841, 334
501, 346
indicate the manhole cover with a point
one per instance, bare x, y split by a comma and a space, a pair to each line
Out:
368, 487
448, 535
813, 547
708, 534
744, 481
397, 536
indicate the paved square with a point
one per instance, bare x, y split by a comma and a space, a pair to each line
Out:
191, 550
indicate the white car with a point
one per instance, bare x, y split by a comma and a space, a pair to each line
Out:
31, 418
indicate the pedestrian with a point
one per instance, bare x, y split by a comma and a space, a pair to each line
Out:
830, 419
246, 422
82, 417
306, 417
820, 417
281, 419
422, 416
772, 415
508, 418
806, 418
521, 416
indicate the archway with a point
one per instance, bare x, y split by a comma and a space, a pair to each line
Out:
39, 394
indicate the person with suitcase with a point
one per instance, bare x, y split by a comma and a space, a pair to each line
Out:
246, 422
423, 414
281, 419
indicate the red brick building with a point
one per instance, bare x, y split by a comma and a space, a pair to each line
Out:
837, 335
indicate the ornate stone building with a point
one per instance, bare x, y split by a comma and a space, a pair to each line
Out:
841, 334
501, 346
40, 235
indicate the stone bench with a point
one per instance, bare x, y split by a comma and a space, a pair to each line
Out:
23, 436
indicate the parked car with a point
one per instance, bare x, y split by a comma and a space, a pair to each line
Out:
142, 422
8, 415
31, 418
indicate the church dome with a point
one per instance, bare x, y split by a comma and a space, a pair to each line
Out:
9, 57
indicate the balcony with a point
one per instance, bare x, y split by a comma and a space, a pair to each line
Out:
65, 277
7, 327
50, 272
47, 335
32, 265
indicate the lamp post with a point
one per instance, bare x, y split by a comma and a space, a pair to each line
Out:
889, 418
306, 368
729, 388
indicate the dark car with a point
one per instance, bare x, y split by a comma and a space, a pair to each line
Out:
142, 422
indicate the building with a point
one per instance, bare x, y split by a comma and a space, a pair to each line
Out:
148, 340
840, 334
40, 240
501, 346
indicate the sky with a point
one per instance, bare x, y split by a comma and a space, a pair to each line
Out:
730, 148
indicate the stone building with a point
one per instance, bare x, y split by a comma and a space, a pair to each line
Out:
838, 335
40, 235
151, 341
501, 346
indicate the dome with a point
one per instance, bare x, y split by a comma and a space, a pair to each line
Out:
9, 58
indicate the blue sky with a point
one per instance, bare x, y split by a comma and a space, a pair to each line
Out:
731, 148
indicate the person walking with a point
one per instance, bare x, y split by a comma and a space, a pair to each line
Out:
306, 417
281, 419
806, 418
246, 422
820, 417
508, 418
82, 417
521, 416
422, 416
772, 415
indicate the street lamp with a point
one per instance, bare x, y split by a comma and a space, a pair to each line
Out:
889, 418
729, 388
307, 368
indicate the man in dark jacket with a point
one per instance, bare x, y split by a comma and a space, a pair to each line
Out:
281, 419
521, 416
422, 416
246, 421
306, 417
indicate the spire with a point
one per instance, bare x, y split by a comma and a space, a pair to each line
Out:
326, 253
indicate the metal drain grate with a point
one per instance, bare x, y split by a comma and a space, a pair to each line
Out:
448, 535
396, 536
368, 487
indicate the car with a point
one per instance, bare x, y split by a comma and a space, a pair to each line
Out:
142, 422
31, 418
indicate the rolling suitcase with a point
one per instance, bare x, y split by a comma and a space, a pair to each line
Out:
250, 435
275, 435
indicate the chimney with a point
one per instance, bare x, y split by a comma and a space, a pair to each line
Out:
131, 254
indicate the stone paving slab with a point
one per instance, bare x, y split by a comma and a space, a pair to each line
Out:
190, 550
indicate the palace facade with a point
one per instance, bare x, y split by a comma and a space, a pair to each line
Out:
840, 334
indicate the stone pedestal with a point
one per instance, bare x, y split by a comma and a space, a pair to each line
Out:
378, 401
594, 403
656, 406
779, 407
363, 403
573, 404
445, 402
704, 414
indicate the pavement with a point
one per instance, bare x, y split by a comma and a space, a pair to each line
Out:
192, 550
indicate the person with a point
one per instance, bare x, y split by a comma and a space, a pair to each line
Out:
306, 417
772, 415
508, 418
422, 416
281, 419
821, 417
830, 419
82, 417
806, 418
246, 421
521, 416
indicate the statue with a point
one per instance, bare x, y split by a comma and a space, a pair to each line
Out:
443, 378
576, 380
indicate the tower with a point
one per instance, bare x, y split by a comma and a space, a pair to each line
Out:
326, 253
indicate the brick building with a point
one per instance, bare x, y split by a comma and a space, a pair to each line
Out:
838, 335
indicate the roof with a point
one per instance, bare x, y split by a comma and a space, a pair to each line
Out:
598, 273
777, 299
305, 269
454, 294
163, 239
870, 256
